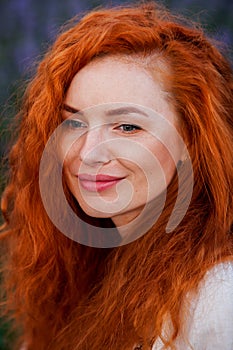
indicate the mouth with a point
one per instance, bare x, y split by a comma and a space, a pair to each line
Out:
99, 182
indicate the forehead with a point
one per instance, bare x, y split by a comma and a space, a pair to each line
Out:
110, 80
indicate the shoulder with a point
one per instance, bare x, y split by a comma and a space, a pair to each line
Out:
216, 290
208, 314
211, 310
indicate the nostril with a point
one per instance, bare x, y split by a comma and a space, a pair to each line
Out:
92, 153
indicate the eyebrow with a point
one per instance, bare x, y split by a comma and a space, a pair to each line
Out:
111, 112
71, 109
125, 110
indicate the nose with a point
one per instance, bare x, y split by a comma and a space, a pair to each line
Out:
94, 149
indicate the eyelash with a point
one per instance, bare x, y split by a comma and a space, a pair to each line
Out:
76, 124
136, 127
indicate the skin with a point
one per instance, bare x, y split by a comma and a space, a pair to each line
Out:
123, 144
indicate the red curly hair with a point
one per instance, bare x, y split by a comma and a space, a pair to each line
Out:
63, 295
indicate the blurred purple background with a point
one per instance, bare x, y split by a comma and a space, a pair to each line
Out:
27, 27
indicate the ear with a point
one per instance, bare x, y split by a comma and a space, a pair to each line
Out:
183, 158
184, 155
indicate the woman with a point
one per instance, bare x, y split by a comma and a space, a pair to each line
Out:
121, 107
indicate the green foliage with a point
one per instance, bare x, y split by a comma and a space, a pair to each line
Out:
5, 338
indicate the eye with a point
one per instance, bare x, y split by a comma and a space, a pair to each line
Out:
74, 124
129, 128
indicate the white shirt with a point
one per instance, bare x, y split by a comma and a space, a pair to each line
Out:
209, 323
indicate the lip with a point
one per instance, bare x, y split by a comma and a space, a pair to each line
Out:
99, 182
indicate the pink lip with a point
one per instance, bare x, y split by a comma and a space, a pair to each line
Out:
99, 182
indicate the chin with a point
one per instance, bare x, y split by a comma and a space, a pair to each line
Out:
95, 213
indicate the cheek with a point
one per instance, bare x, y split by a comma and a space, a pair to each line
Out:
69, 144
158, 165
166, 161
69, 155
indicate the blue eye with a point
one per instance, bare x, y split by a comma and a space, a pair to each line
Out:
129, 128
74, 124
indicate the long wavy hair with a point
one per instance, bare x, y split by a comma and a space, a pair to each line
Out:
64, 295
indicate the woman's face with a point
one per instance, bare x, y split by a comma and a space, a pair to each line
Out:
116, 147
